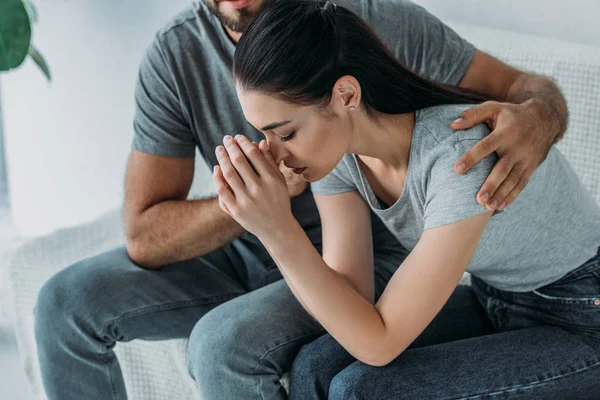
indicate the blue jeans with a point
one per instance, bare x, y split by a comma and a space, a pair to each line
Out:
484, 344
244, 325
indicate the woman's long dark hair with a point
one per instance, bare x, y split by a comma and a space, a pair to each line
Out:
298, 49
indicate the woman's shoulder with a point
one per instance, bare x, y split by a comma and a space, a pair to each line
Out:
434, 122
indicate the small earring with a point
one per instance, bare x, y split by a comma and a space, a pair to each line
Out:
351, 108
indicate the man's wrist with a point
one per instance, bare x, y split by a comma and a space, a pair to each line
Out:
546, 115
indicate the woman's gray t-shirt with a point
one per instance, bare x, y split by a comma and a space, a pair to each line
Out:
551, 228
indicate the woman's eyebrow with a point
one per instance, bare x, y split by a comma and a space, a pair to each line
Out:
275, 125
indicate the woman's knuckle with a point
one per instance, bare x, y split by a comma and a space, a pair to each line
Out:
221, 190
253, 190
253, 152
237, 159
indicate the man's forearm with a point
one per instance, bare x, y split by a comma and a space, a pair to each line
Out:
178, 230
544, 92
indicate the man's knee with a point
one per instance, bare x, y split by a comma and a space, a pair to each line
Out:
75, 293
58, 299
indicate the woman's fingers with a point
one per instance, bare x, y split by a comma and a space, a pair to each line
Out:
253, 154
229, 171
223, 190
264, 148
239, 161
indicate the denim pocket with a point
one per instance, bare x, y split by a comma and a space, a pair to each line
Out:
579, 287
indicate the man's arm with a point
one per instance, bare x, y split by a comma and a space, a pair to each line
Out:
163, 227
528, 116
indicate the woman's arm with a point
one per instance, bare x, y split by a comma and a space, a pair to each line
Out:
347, 244
376, 335
347, 240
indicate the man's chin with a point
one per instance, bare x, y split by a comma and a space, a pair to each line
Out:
235, 19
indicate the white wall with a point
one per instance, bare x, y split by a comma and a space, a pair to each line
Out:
67, 142
572, 20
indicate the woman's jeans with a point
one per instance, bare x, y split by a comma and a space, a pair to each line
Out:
484, 344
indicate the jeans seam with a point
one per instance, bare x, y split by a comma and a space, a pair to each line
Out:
112, 382
529, 385
258, 383
169, 306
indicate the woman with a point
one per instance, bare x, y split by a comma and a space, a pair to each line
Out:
369, 134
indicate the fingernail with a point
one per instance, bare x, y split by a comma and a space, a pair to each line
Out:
460, 168
485, 197
458, 121
502, 205
214, 169
227, 139
238, 137
219, 149
494, 204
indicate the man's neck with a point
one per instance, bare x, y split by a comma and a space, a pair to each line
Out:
233, 36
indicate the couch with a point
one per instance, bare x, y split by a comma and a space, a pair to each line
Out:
158, 370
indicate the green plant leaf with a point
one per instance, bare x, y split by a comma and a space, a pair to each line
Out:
39, 60
31, 10
15, 34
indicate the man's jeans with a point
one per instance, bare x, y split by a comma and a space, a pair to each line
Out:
244, 324
484, 344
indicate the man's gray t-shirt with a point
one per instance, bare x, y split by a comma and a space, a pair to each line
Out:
185, 96
550, 229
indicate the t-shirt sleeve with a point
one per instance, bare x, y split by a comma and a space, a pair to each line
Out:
159, 125
451, 197
420, 40
337, 181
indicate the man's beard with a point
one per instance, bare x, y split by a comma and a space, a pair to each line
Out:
244, 19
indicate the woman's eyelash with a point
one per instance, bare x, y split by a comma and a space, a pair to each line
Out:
288, 137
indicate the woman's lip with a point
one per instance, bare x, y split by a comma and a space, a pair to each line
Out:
236, 3
298, 171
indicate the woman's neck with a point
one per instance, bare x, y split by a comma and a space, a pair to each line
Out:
385, 138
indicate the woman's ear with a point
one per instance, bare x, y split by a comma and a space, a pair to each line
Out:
346, 94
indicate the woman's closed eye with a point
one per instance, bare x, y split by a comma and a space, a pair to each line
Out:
288, 137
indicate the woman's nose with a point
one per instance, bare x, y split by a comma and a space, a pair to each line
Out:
277, 150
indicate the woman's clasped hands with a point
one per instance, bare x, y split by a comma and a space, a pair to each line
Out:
250, 186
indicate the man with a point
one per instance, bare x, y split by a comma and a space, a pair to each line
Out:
188, 270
